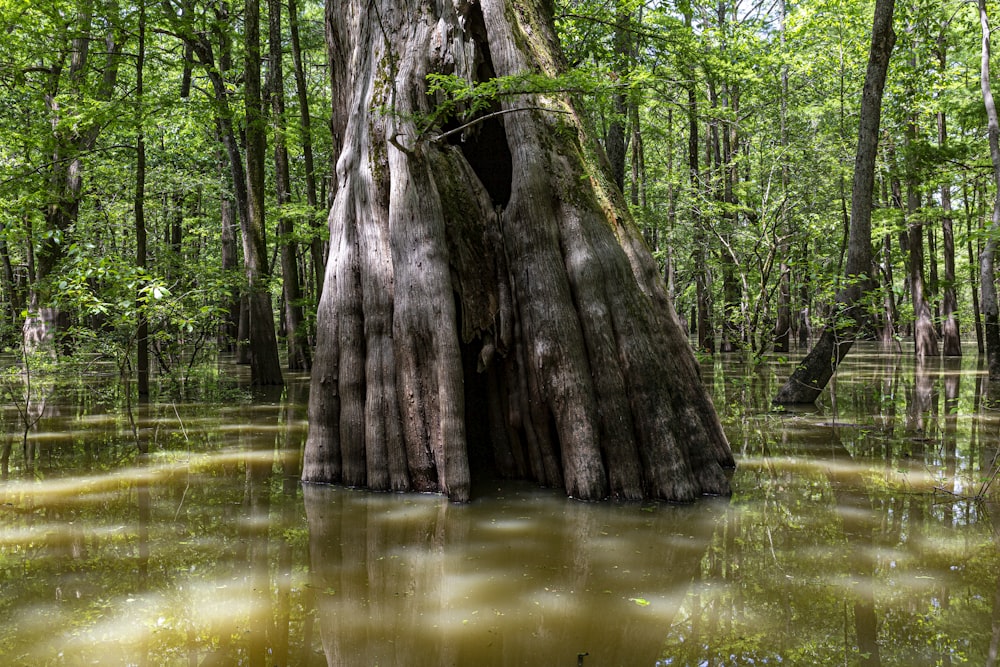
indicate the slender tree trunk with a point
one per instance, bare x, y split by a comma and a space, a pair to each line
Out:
142, 330
805, 299
973, 273
297, 340
702, 277
265, 368
925, 342
735, 328
462, 290
247, 181
229, 328
12, 301
66, 173
932, 289
670, 270
889, 316
173, 236
614, 144
783, 323
815, 371
317, 247
950, 330
987, 284
844, 215
637, 186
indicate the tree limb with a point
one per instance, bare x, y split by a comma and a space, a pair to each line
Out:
474, 121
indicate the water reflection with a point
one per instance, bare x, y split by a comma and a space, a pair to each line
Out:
855, 537
523, 577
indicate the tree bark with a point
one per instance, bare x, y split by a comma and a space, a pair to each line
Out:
814, 372
988, 302
735, 333
614, 144
783, 322
491, 278
317, 247
229, 328
66, 171
889, 317
247, 180
702, 277
12, 294
973, 268
265, 368
925, 340
299, 356
142, 327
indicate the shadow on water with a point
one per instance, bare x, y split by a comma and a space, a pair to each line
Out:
859, 534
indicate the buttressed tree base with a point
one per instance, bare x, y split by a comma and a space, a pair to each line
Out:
488, 301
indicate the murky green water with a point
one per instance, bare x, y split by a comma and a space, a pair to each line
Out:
852, 539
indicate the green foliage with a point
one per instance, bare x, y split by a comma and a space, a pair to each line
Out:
54, 120
781, 90
460, 100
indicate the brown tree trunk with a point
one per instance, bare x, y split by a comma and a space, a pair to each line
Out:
299, 357
814, 372
701, 319
12, 296
783, 323
734, 330
925, 340
265, 368
889, 317
973, 269
229, 328
142, 329
991, 325
805, 298
614, 144
484, 280
317, 247
247, 181
66, 169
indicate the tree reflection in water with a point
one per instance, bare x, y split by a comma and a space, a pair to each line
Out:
853, 539
523, 577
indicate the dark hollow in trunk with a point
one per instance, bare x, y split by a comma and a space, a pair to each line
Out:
487, 298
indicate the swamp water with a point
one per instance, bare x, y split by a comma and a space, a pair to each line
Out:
852, 538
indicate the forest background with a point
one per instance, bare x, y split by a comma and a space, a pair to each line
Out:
166, 168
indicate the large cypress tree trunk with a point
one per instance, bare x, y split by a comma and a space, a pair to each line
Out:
487, 297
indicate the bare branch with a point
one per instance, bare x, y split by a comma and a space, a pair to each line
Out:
445, 135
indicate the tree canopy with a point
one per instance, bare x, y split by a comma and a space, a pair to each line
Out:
728, 127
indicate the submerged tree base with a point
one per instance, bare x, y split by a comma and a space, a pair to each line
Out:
487, 297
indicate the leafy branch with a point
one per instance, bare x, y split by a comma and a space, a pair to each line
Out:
467, 101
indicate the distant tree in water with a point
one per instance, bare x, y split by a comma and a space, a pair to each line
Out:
852, 313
